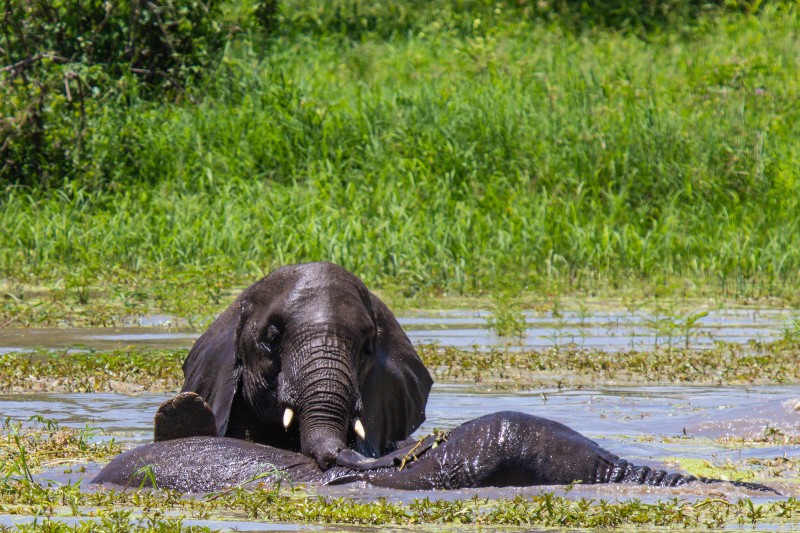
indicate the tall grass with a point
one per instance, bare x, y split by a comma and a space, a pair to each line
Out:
499, 153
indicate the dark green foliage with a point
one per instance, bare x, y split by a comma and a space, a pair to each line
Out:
156, 40
362, 19
638, 15
65, 60
266, 13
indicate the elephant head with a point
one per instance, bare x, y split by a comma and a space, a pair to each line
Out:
307, 358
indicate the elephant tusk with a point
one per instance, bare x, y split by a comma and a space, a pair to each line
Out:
358, 427
287, 418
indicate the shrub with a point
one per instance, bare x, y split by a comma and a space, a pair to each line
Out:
64, 58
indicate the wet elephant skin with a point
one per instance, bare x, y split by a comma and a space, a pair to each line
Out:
305, 359
501, 449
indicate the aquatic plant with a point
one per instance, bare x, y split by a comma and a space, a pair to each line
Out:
507, 318
135, 370
25, 448
147, 510
123, 371
722, 364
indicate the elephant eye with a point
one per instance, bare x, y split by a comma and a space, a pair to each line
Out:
366, 349
272, 334
269, 338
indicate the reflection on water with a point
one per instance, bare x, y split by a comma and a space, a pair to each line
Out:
647, 425
607, 331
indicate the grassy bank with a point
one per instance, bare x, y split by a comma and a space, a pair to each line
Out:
446, 156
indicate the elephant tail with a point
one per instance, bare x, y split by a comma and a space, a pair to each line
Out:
624, 472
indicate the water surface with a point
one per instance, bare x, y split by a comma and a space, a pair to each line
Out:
646, 425
610, 331
653, 425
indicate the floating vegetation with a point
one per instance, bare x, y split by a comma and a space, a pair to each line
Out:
42, 442
138, 370
295, 505
725, 363
785, 470
115, 371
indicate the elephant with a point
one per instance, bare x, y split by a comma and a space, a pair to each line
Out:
502, 449
310, 372
308, 360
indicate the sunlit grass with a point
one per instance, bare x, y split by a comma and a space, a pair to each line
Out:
512, 156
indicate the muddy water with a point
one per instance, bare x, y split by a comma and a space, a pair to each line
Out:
647, 425
610, 331
611, 415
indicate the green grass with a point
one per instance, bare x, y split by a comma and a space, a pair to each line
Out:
446, 157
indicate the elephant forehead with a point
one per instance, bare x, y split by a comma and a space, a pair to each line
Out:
321, 274
333, 309
312, 293
311, 315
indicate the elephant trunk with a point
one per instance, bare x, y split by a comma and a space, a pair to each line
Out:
327, 396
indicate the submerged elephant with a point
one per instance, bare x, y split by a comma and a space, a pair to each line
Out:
307, 343
503, 449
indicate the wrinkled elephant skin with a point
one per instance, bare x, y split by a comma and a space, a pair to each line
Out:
501, 449
306, 359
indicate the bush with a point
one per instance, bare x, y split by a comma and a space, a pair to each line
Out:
64, 58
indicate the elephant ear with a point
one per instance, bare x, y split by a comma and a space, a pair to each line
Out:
396, 390
212, 368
